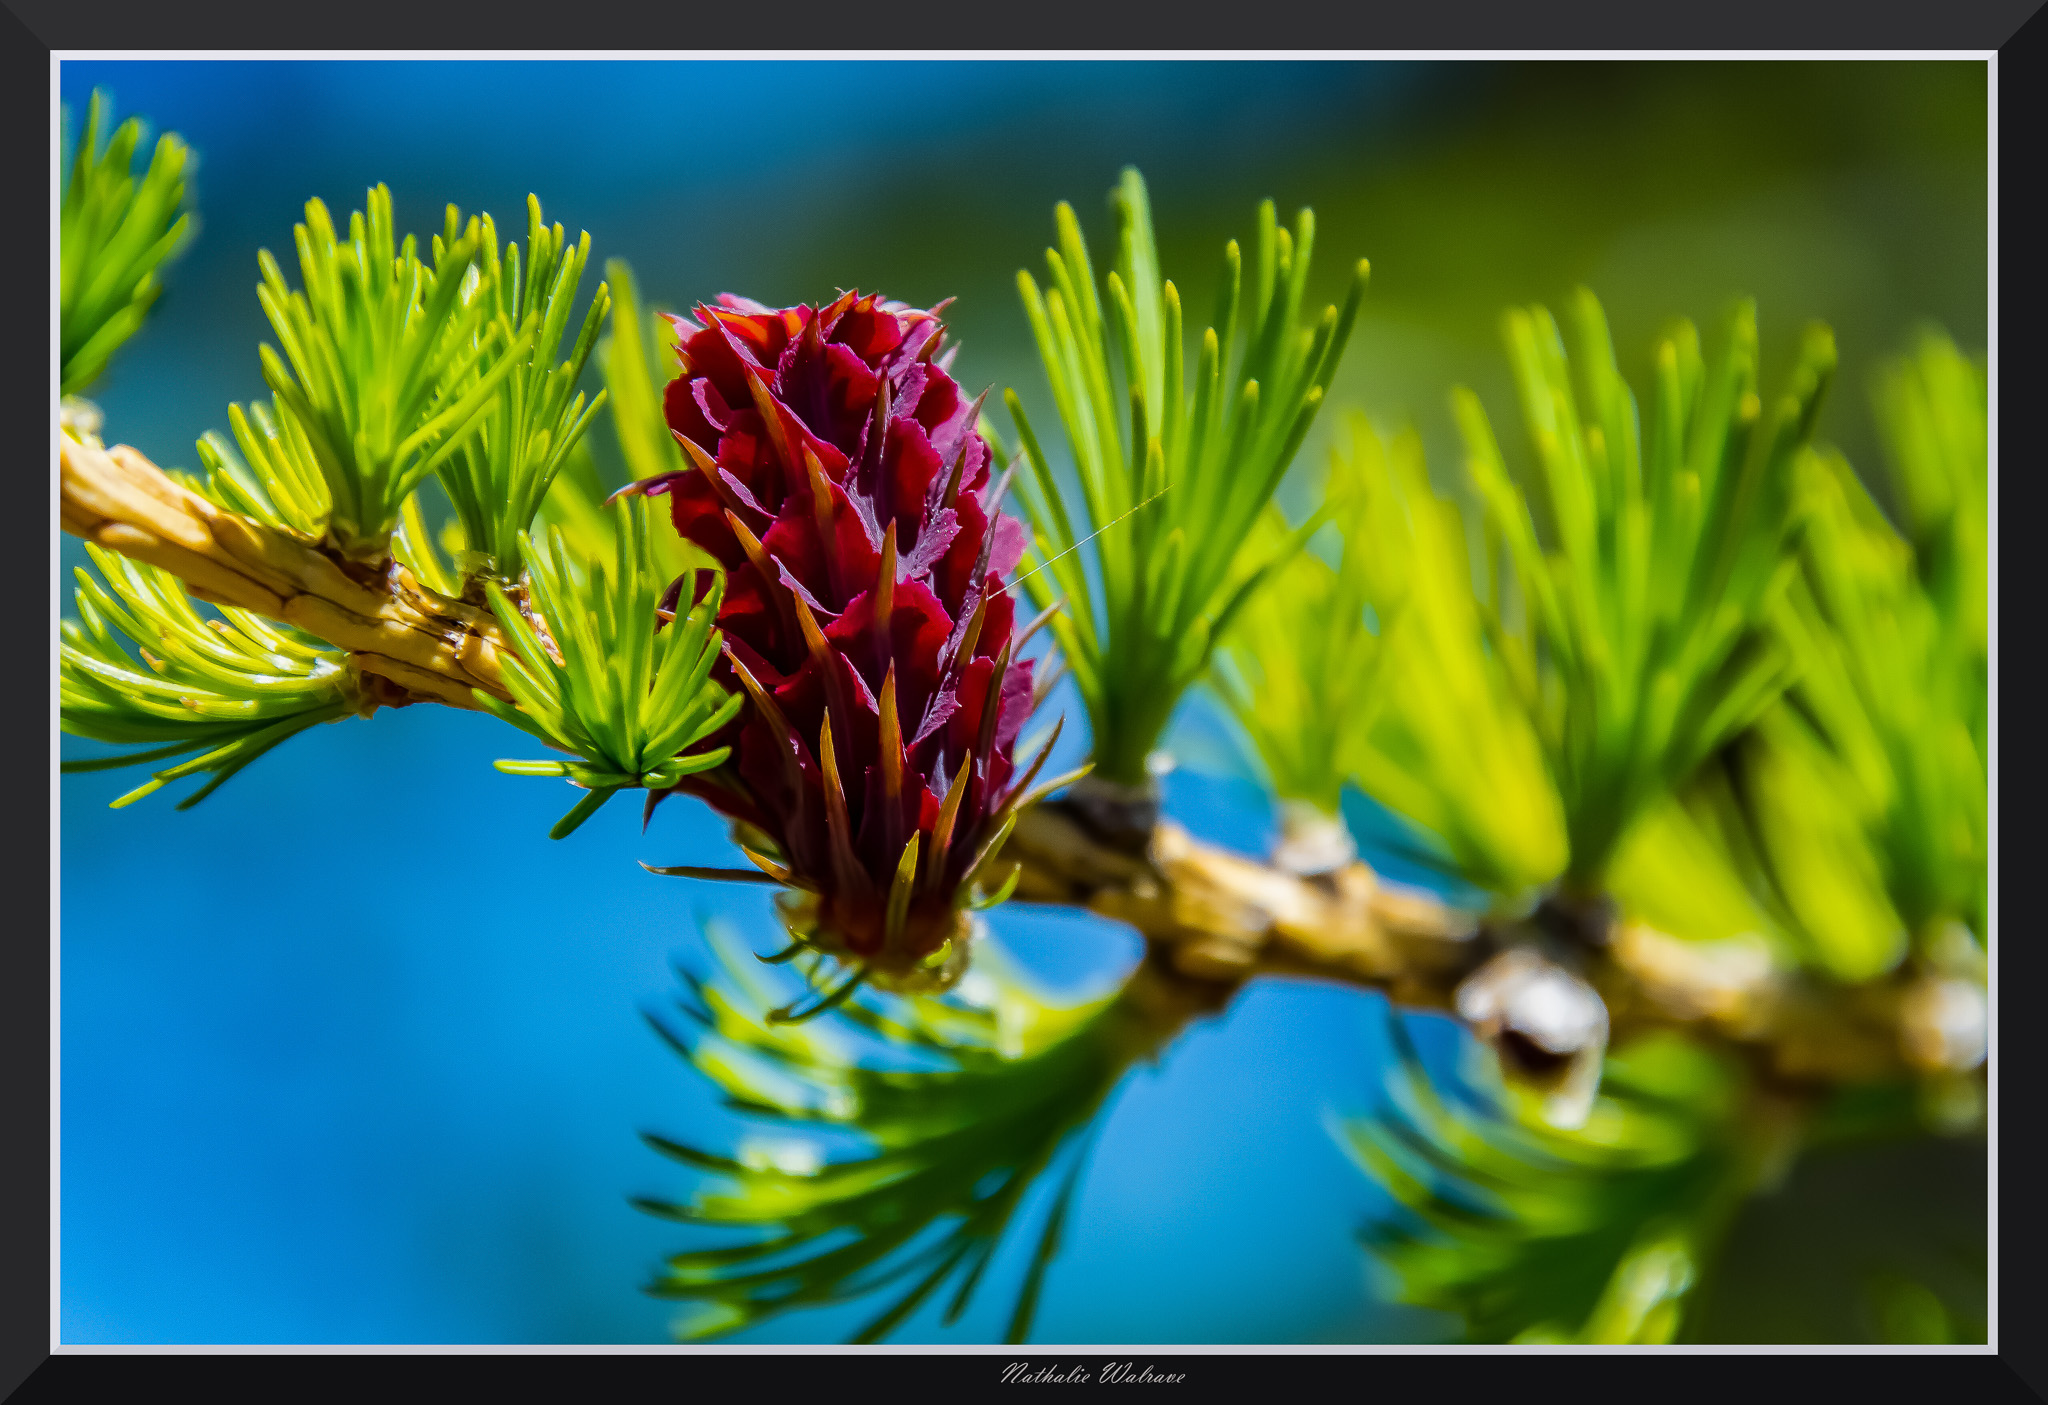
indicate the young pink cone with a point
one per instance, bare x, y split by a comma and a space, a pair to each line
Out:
838, 477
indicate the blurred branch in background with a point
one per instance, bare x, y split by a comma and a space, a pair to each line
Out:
1214, 915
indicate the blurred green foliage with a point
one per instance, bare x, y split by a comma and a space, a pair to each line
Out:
1858, 810
956, 1106
1374, 668
1639, 563
116, 232
1535, 1235
1302, 657
1677, 1213
1618, 616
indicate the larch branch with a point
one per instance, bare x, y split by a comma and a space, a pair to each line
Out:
1213, 918
430, 647
1217, 916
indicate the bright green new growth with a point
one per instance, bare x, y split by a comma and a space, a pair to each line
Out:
1531, 1234
1933, 408
1300, 660
1444, 742
115, 233
1868, 791
638, 359
496, 466
1172, 483
1634, 620
388, 363
497, 477
1680, 872
276, 478
961, 1106
611, 690
229, 689
1910, 621
1800, 827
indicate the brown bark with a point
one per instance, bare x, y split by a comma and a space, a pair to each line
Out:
392, 627
1216, 916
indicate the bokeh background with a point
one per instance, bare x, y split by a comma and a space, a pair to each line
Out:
353, 1053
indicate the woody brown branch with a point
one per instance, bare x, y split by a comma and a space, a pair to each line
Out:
426, 646
1213, 918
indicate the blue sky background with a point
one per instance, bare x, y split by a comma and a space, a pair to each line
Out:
353, 1053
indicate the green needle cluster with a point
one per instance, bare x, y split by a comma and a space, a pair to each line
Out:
498, 476
1374, 669
1444, 741
1934, 410
1173, 477
1301, 658
638, 359
1623, 627
1915, 637
605, 685
115, 233
275, 477
388, 362
1641, 567
1531, 1234
1867, 793
227, 689
958, 1108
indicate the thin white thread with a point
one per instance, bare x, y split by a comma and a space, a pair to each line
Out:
1091, 536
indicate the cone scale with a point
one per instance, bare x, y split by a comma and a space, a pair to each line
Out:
837, 476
